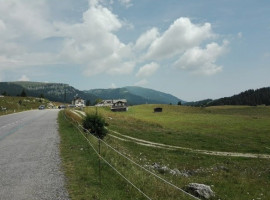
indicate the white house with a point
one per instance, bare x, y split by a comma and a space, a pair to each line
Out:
78, 102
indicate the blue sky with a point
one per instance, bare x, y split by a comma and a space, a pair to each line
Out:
191, 49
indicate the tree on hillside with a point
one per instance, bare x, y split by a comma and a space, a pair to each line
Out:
23, 93
179, 103
4, 93
41, 96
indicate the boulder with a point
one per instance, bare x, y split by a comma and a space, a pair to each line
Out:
200, 190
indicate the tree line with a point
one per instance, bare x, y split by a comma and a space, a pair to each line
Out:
250, 97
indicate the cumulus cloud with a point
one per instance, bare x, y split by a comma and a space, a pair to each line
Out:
202, 60
24, 78
147, 70
181, 45
91, 42
141, 82
180, 36
146, 39
25, 20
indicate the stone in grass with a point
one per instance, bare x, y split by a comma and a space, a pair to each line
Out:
200, 190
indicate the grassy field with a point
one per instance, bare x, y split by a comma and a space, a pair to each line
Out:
227, 128
18, 104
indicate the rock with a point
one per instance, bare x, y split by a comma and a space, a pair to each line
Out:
200, 190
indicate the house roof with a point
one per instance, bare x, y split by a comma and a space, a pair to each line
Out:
120, 100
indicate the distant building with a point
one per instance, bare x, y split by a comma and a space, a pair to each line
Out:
78, 102
115, 104
105, 103
119, 105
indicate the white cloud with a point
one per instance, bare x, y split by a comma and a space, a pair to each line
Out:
146, 39
180, 36
147, 70
141, 82
24, 78
26, 20
202, 60
93, 44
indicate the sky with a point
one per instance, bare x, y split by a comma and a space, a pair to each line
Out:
191, 49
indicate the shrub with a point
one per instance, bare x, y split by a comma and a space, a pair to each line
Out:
95, 124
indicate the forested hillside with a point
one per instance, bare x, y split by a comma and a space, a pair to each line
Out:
52, 91
136, 95
249, 97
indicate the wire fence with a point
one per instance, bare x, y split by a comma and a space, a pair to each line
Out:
82, 131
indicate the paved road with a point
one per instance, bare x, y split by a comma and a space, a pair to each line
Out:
29, 157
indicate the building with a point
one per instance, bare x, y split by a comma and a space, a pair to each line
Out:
105, 103
116, 105
78, 102
119, 105
157, 109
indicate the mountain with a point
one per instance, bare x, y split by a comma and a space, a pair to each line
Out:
135, 95
52, 91
249, 97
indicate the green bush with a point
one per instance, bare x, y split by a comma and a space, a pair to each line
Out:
95, 124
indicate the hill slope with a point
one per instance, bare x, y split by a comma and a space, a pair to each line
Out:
249, 97
52, 91
135, 95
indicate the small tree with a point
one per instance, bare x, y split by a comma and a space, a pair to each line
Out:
98, 101
179, 103
95, 124
41, 96
88, 103
23, 94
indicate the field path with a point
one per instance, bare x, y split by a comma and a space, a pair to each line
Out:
29, 158
171, 147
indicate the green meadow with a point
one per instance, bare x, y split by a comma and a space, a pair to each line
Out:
18, 104
237, 129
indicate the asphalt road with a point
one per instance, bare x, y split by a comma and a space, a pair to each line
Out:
29, 157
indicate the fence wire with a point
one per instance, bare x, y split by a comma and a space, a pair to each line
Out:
78, 126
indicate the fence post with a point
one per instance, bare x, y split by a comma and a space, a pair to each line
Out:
99, 161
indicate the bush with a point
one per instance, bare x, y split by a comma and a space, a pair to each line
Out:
95, 124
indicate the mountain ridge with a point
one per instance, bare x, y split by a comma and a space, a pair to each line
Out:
62, 92
136, 95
